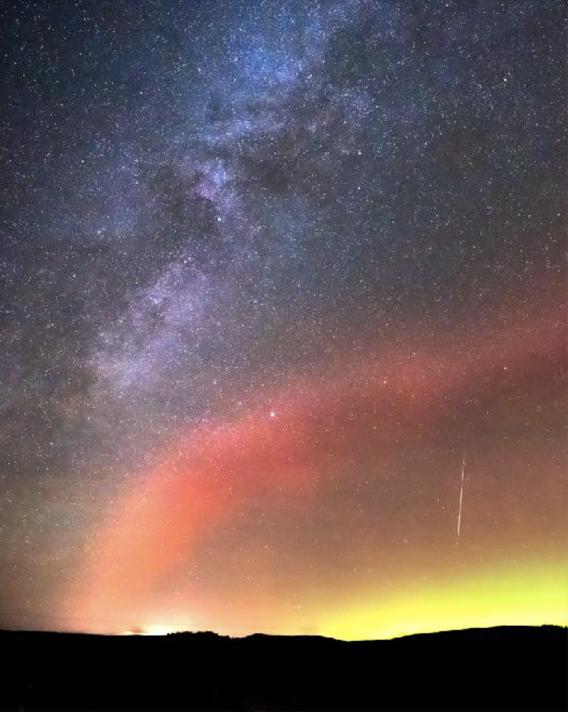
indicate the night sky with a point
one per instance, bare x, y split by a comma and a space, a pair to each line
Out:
271, 273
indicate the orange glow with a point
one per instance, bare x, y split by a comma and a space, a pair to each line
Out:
209, 474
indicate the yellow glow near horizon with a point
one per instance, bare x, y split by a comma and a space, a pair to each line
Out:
520, 595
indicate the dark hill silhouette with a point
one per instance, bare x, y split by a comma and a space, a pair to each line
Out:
494, 669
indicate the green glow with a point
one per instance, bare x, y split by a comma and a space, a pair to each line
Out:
534, 594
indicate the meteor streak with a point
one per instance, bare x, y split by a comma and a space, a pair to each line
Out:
461, 499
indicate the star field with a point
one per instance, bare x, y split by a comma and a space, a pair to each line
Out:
268, 271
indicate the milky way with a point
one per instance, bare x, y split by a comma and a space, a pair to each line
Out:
268, 270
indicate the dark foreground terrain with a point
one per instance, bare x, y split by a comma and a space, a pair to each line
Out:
495, 669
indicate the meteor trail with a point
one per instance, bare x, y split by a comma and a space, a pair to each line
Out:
461, 499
